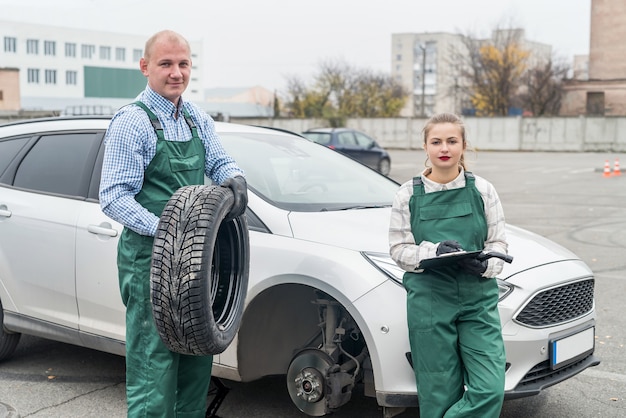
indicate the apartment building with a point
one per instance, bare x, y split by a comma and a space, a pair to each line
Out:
430, 66
603, 91
77, 70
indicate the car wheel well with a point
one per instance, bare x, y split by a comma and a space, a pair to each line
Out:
280, 322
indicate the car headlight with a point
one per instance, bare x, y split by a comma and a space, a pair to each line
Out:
504, 289
386, 265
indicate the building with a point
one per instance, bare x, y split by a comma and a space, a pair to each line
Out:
9, 89
430, 66
603, 91
76, 70
239, 102
420, 63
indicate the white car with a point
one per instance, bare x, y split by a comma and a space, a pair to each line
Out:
325, 306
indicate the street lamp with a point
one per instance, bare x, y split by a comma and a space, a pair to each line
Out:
423, 102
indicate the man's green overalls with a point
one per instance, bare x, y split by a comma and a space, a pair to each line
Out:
159, 383
454, 325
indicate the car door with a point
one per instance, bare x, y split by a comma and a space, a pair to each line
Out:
346, 144
97, 291
369, 154
41, 197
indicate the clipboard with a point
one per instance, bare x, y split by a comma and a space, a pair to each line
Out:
446, 259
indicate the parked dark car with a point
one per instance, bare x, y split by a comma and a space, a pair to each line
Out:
354, 144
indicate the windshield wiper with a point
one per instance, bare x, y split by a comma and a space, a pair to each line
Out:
354, 207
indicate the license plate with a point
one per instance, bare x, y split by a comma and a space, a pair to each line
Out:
569, 349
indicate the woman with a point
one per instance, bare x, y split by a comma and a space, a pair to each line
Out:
454, 325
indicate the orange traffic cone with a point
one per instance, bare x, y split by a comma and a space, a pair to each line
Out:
607, 169
616, 171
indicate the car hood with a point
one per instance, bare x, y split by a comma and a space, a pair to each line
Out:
368, 230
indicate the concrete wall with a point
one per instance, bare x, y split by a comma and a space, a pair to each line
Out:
576, 134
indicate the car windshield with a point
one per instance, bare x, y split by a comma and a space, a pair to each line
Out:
298, 175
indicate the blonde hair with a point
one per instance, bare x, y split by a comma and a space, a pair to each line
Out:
446, 118
167, 35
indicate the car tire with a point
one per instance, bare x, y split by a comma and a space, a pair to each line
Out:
8, 341
199, 273
384, 166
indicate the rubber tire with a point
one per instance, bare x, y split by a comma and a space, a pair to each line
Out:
8, 341
199, 272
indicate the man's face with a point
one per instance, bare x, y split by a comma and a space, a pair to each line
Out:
167, 67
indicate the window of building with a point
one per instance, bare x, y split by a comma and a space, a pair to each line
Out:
120, 54
398, 57
1, 95
105, 53
595, 103
49, 48
137, 54
51, 76
71, 77
32, 46
70, 49
10, 44
87, 51
33, 76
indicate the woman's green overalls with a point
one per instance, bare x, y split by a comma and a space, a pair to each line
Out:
454, 325
159, 383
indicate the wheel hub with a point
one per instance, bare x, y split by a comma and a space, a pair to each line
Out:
309, 385
306, 381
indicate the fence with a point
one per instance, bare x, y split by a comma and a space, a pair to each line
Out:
591, 134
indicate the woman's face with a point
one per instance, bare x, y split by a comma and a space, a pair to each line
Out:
444, 146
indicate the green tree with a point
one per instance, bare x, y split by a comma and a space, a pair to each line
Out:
495, 70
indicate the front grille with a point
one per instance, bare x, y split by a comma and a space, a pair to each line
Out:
542, 373
558, 305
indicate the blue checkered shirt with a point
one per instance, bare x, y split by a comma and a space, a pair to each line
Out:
130, 146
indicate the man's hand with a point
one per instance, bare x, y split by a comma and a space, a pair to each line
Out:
448, 246
240, 191
474, 266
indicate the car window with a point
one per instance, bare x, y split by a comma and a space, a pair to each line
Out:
322, 138
364, 140
8, 150
346, 138
296, 174
59, 164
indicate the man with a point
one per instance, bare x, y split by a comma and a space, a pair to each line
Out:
153, 147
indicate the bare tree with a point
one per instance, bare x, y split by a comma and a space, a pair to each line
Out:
543, 88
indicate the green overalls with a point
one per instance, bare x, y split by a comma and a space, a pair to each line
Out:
453, 319
159, 383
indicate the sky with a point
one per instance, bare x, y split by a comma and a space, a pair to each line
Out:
266, 42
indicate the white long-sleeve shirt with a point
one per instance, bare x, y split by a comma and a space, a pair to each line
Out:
407, 253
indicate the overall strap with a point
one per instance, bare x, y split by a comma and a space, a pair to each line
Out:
418, 185
158, 128
156, 124
192, 125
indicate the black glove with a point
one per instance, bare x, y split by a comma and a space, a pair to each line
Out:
474, 266
448, 246
240, 191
